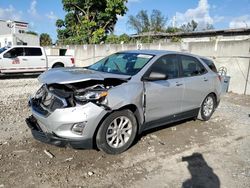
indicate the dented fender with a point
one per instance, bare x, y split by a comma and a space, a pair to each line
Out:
127, 94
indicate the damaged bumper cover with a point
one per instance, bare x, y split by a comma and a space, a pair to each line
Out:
57, 128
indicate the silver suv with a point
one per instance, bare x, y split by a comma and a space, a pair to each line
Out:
112, 101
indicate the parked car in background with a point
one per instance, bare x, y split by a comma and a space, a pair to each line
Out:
19, 59
112, 101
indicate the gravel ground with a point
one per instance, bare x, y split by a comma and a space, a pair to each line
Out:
186, 154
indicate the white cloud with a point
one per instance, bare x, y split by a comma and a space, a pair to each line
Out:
200, 14
240, 22
32, 9
51, 15
10, 13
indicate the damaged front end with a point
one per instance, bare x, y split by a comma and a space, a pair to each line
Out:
55, 96
70, 111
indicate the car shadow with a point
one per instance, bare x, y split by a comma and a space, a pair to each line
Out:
18, 76
202, 174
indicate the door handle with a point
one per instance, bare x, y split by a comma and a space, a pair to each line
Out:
205, 79
42, 59
25, 59
179, 84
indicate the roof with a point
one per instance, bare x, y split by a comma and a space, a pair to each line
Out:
226, 32
21, 22
160, 52
149, 52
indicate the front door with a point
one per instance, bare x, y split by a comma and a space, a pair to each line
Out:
13, 60
164, 97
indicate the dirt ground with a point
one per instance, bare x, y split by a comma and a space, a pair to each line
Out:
186, 154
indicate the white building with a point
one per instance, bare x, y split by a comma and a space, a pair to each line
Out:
14, 33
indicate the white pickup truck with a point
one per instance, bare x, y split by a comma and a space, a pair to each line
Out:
20, 59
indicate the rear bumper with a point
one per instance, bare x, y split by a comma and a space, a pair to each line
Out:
52, 138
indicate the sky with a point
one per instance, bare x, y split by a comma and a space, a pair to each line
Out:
222, 14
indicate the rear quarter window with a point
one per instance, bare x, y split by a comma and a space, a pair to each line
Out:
210, 64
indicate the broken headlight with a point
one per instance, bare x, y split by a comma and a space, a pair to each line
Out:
41, 92
91, 96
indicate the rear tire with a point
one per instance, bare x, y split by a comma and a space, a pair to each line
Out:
58, 65
207, 108
117, 132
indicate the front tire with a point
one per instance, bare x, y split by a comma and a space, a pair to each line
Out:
117, 132
207, 107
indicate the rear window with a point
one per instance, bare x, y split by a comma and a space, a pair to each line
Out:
210, 64
33, 52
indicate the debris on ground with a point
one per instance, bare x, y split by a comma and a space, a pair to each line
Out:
90, 173
49, 154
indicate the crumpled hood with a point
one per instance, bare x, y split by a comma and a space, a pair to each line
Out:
74, 75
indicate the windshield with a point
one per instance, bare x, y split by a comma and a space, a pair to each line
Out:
122, 63
2, 50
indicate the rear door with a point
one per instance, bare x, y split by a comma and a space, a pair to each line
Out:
35, 59
196, 80
163, 97
13, 60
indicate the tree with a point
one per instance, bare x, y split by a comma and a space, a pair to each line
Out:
158, 21
89, 21
194, 26
114, 39
208, 27
142, 22
173, 30
189, 27
45, 39
31, 33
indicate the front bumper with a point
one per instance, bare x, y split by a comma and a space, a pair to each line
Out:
56, 127
51, 138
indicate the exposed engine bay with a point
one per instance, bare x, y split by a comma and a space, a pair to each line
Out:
53, 96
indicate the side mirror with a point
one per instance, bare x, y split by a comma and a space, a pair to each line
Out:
7, 55
154, 76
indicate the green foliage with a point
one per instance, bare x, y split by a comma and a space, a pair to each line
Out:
173, 30
158, 21
45, 39
193, 26
31, 33
89, 21
142, 22
124, 38
175, 39
114, 39
189, 27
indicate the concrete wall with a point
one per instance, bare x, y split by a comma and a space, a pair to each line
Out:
234, 55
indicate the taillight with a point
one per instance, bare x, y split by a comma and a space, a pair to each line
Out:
72, 60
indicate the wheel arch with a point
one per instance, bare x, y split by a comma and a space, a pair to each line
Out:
57, 63
132, 107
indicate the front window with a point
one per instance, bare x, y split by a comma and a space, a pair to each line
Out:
14, 52
122, 63
167, 65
